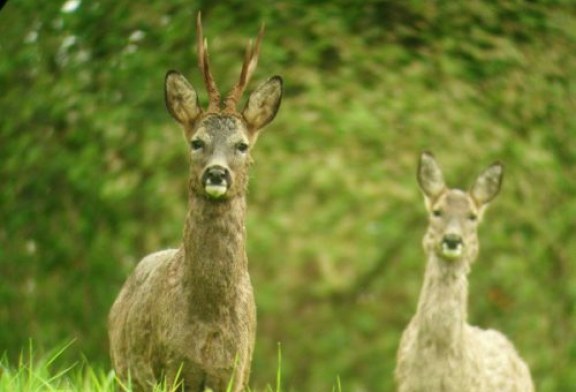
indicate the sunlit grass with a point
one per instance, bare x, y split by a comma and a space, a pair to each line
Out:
40, 373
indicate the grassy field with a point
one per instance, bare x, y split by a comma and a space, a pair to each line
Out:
46, 372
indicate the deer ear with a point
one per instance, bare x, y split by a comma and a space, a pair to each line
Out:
430, 176
181, 98
263, 104
488, 184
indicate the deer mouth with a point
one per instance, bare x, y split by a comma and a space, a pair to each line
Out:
215, 191
216, 182
451, 254
451, 248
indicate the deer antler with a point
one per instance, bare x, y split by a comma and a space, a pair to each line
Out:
250, 62
204, 65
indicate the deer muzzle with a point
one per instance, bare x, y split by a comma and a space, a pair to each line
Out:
216, 181
451, 247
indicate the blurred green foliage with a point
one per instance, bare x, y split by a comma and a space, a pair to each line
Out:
93, 171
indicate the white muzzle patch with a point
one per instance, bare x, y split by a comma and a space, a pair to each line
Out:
451, 253
216, 191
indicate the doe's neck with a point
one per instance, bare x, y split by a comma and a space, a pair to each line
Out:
443, 304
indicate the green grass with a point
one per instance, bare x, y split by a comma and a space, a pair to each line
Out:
41, 373
34, 372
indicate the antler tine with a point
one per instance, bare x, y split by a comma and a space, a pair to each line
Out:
204, 65
248, 67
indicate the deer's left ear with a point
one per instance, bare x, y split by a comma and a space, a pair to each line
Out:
488, 184
263, 104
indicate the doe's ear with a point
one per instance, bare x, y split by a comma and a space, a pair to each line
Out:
181, 98
430, 177
488, 184
263, 104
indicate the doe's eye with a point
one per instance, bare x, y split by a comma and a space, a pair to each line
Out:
197, 144
437, 213
472, 217
242, 147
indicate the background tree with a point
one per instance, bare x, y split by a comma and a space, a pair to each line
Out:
93, 171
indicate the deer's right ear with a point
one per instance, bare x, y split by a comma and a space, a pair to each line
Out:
430, 176
181, 98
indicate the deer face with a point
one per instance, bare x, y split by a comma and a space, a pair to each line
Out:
220, 142
219, 156
220, 138
454, 215
452, 226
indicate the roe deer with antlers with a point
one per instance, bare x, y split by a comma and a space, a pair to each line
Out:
188, 315
439, 351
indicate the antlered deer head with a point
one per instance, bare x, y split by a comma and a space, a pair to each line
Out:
220, 136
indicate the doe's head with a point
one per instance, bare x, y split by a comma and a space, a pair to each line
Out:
454, 214
220, 137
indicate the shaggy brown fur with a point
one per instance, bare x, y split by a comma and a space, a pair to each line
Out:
188, 314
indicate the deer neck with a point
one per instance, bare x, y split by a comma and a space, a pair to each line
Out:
442, 307
214, 254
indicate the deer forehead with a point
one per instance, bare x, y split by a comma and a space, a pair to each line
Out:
455, 203
221, 129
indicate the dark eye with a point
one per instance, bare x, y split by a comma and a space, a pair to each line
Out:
437, 213
197, 144
472, 217
242, 147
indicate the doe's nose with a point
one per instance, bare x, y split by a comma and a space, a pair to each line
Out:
452, 241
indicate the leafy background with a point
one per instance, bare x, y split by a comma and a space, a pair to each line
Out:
93, 171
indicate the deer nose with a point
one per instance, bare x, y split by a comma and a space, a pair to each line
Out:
216, 175
452, 241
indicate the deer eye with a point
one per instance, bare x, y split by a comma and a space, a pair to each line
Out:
197, 144
472, 217
437, 213
242, 147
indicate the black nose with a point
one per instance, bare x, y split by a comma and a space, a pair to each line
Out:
452, 241
216, 175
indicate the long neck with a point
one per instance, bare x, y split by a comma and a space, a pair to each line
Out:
442, 307
215, 259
